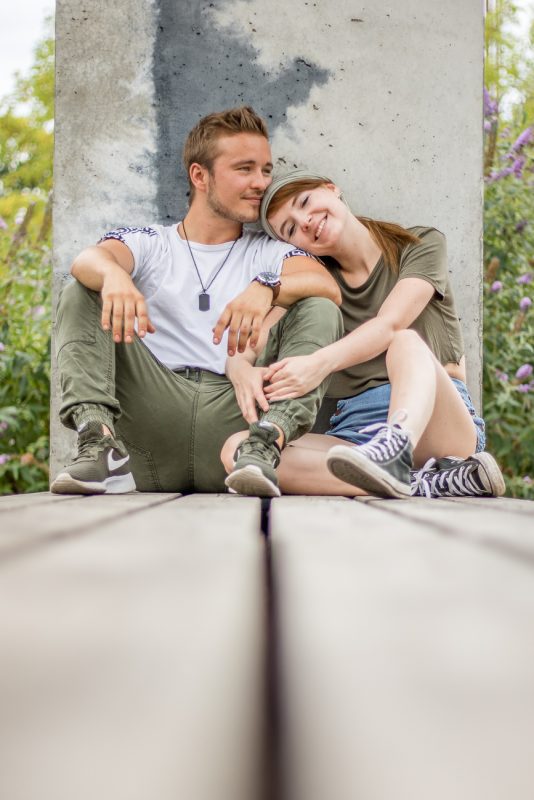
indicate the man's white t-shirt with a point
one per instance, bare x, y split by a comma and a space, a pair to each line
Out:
165, 274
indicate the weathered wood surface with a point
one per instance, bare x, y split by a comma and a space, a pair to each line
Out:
141, 635
405, 648
132, 636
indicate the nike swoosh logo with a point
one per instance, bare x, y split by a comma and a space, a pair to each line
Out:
115, 464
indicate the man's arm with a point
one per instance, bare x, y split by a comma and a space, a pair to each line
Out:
301, 277
106, 268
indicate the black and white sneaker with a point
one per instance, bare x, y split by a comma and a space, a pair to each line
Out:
477, 476
100, 467
256, 460
381, 466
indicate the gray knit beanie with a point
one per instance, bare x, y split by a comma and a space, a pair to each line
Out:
284, 180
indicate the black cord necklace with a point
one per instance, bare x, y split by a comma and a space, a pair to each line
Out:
204, 298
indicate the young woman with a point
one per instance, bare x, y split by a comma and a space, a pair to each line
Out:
399, 372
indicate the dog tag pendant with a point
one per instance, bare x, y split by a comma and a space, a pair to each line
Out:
203, 301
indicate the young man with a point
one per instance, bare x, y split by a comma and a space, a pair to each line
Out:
144, 332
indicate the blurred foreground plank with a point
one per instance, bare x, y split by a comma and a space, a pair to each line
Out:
132, 635
405, 650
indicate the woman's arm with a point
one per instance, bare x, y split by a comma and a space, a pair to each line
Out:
293, 377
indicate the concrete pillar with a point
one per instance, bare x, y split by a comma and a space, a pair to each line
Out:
385, 97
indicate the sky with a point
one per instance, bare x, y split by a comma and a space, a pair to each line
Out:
22, 26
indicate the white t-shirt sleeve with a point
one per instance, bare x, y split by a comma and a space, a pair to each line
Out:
146, 245
273, 253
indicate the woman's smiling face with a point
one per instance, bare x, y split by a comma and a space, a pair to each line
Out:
311, 219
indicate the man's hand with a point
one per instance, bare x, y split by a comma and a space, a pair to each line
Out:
243, 317
248, 386
122, 303
295, 376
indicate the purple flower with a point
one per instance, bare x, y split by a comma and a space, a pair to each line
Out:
3, 426
521, 225
487, 125
496, 286
3, 224
525, 303
501, 376
524, 371
502, 173
3, 458
2, 346
518, 165
527, 479
490, 106
523, 139
523, 387
526, 278
38, 311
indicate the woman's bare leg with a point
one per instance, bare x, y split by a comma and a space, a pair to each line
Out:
302, 467
435, 416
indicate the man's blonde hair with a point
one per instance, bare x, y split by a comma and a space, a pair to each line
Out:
201, 144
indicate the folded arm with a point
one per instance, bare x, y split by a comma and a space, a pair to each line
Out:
293, 377
301, 277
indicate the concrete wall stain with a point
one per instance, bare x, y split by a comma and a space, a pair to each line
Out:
199, 69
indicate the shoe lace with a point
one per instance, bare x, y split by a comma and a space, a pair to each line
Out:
263, 449
456, 481
387, 443
90, 446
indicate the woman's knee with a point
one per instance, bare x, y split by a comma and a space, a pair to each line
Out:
406, 341
229, 448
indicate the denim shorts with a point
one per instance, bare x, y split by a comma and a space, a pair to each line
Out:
354, 413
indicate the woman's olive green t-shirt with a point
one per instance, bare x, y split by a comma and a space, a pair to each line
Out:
438, 324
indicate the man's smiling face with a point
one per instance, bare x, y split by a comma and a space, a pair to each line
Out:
240, 173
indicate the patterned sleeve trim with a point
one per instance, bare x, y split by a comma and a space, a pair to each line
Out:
120, 233
298, 252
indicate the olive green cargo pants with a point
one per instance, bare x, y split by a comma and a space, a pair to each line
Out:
174, 424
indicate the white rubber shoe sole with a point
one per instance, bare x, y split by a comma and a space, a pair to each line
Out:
115, 484
490, 474
347, 464
252, 482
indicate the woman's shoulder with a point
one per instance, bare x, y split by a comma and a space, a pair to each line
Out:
426, 232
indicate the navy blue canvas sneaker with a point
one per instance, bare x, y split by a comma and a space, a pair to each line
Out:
381, 466
476, 476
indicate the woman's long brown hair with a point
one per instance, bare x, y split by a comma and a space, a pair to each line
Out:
390, 237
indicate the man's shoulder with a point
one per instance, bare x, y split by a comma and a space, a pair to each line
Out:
259, 241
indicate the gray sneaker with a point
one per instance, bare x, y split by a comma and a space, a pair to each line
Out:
476, 476
381, 466
102, 466
256, 460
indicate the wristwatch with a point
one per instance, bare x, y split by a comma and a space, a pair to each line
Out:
270, 279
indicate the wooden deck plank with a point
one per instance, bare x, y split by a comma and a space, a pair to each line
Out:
25, 526
133, 658
11, 502
490, 522
406, 657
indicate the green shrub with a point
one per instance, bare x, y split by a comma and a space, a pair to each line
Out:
509, 303
24, 365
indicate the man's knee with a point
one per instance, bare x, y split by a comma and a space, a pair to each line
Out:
78, 316
320, 313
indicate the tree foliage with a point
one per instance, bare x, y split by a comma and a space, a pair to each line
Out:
26, 141
27, 138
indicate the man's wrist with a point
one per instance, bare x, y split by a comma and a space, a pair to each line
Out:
270, 280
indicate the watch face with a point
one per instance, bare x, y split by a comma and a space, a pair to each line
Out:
269, 277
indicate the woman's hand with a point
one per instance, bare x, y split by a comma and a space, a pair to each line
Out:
295, 376
248, 383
